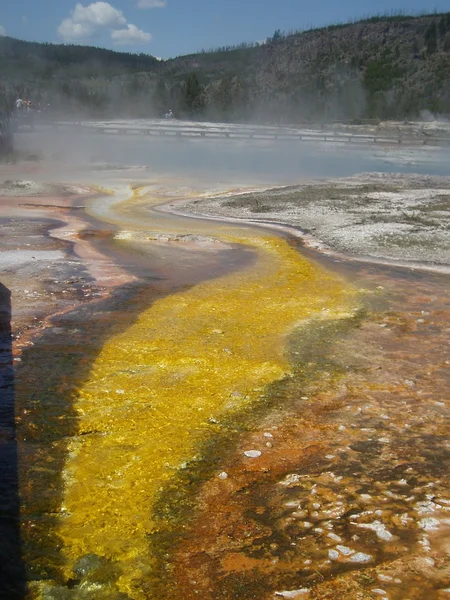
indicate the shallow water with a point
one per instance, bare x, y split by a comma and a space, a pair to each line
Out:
232, 161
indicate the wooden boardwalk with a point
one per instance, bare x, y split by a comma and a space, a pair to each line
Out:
177, 131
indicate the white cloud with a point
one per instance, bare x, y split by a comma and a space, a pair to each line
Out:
85, 21
100, 14
2, 31
75, 32
130, 35
152, 3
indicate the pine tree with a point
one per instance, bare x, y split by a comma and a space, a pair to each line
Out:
224, 98
193, 96
431, 38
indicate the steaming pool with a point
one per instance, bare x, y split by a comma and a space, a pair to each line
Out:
274, 162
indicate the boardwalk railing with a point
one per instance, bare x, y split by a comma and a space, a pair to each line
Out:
175, 130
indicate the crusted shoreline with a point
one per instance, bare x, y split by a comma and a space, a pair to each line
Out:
383, 217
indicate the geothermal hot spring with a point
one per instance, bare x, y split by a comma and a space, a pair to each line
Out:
206, 407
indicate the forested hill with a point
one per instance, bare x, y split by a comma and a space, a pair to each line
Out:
33, 62
384, 67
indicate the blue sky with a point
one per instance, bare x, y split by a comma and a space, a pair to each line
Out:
167, 28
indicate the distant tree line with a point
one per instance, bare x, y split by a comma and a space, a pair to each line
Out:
384, 67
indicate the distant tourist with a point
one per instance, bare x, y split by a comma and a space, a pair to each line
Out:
19, 103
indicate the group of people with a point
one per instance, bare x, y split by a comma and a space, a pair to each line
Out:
23, 105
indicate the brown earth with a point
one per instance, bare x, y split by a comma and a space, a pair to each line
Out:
350, 496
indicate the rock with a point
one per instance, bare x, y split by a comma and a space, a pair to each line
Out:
97, 574
49, 591
87, 564
379, 528
301, 593
291, 479
425, 506
252, 453
360, 557
429, 524
384, 535
223, 475
345, 550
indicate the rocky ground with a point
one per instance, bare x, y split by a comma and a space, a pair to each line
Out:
393, 217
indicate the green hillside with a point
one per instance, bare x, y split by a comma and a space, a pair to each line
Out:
386, 67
